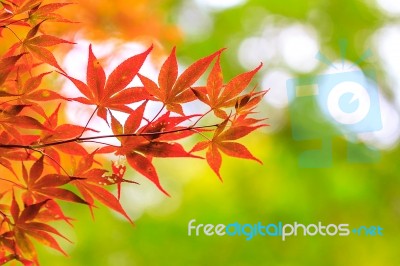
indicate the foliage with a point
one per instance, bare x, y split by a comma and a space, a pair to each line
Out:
44, 161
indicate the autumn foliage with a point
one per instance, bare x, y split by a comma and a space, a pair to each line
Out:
44, 160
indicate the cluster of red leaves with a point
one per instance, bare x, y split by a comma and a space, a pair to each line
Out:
33, 144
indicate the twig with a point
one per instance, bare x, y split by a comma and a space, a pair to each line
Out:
86, 139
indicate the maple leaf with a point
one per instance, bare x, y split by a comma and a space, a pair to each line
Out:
173, 90
111, 93
46, 12
6, 18
59, 133
10, 9
25, 224
150, 141
8, 155
5, 159
167, 128
90, 182
224, 140
219, 96
10, 118
41, 187
245, 104
7, 245
27, 93
16, 7
52, 212
30, 94
7, 65
35, 46
118, 176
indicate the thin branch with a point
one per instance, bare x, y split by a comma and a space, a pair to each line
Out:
86, 139
99, 142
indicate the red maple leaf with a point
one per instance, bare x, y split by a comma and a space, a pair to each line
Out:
224, 140
111, 93
25, 226
28, 93
34, 47
7, 65
141, 144
219, 96
172, 90
40, 187
10, 118
91, 181
59, 133
46, 12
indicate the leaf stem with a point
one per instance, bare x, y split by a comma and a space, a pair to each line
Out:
54, 160
154, 118
201, 117
18, 185
87, 124
13, 32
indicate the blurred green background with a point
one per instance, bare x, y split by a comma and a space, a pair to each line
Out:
285, 35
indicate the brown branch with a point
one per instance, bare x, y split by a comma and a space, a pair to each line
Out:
86, 139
